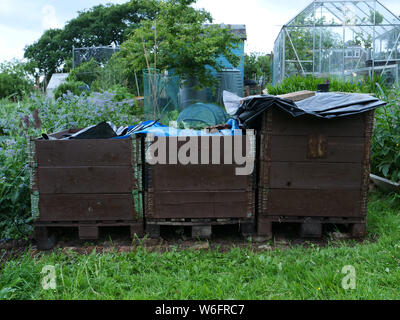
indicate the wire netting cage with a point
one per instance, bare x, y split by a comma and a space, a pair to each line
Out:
350, 40
161, 93
101, 54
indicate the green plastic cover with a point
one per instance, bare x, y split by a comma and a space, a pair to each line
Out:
201, 115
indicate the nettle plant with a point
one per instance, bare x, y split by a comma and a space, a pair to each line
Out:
385, 154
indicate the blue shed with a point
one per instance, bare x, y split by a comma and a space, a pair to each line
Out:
240, 31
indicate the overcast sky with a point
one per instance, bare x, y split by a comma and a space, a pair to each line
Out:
22, 22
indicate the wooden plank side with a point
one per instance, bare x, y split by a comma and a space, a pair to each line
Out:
71, 207
302, 175
229, 204
279, 122
295, 148
75, 180
213, 166
298, 95
197, 178
199, 149
62, 153
313, 203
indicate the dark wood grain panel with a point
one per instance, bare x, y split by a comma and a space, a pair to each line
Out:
86, 180
295, 148
82, 207
61, 153
281, 123
301, 175
200, 149
313, 203
197, 178
229, 204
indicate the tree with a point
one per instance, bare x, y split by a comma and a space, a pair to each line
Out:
180, 39
250, 66
100, 25
87, 72
257, 66
14, 80
48, 52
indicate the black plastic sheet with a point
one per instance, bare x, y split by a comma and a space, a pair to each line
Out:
324, 105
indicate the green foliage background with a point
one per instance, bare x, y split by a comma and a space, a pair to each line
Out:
179, 39
299, 83
14, 80
257, 66
97, 26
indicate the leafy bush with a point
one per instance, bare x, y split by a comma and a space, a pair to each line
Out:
298, 83
75, 87
14, 80
87, 72
116, 73
257, 66
121, 93
385, 153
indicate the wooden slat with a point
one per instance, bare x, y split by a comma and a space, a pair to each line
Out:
279, 122
294, 148
70, 207
292, 175
61, 153
313, 203
197, 178
298, 95
177, 205
203, 176
206, 148
75, 180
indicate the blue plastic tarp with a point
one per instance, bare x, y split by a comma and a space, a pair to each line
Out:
159, 130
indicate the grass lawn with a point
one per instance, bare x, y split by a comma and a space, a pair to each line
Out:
298, 272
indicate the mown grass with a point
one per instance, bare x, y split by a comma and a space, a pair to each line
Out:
298, 272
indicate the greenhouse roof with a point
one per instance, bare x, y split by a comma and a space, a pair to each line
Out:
368, 15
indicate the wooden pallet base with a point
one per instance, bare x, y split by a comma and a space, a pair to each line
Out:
311, 227
201, 228
46, 240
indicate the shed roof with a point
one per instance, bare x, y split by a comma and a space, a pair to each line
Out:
237, 29
56, 80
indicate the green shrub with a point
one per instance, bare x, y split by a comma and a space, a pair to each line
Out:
87, 72
299, 83
116, 73
257, 66
75, 87
14, 81
121, 93
385, 151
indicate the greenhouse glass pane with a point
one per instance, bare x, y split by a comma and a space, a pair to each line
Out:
339, 38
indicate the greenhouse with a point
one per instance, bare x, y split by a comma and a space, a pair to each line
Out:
351, 40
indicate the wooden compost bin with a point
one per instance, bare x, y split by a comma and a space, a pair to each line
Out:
199, 195
86, 184
314, 171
